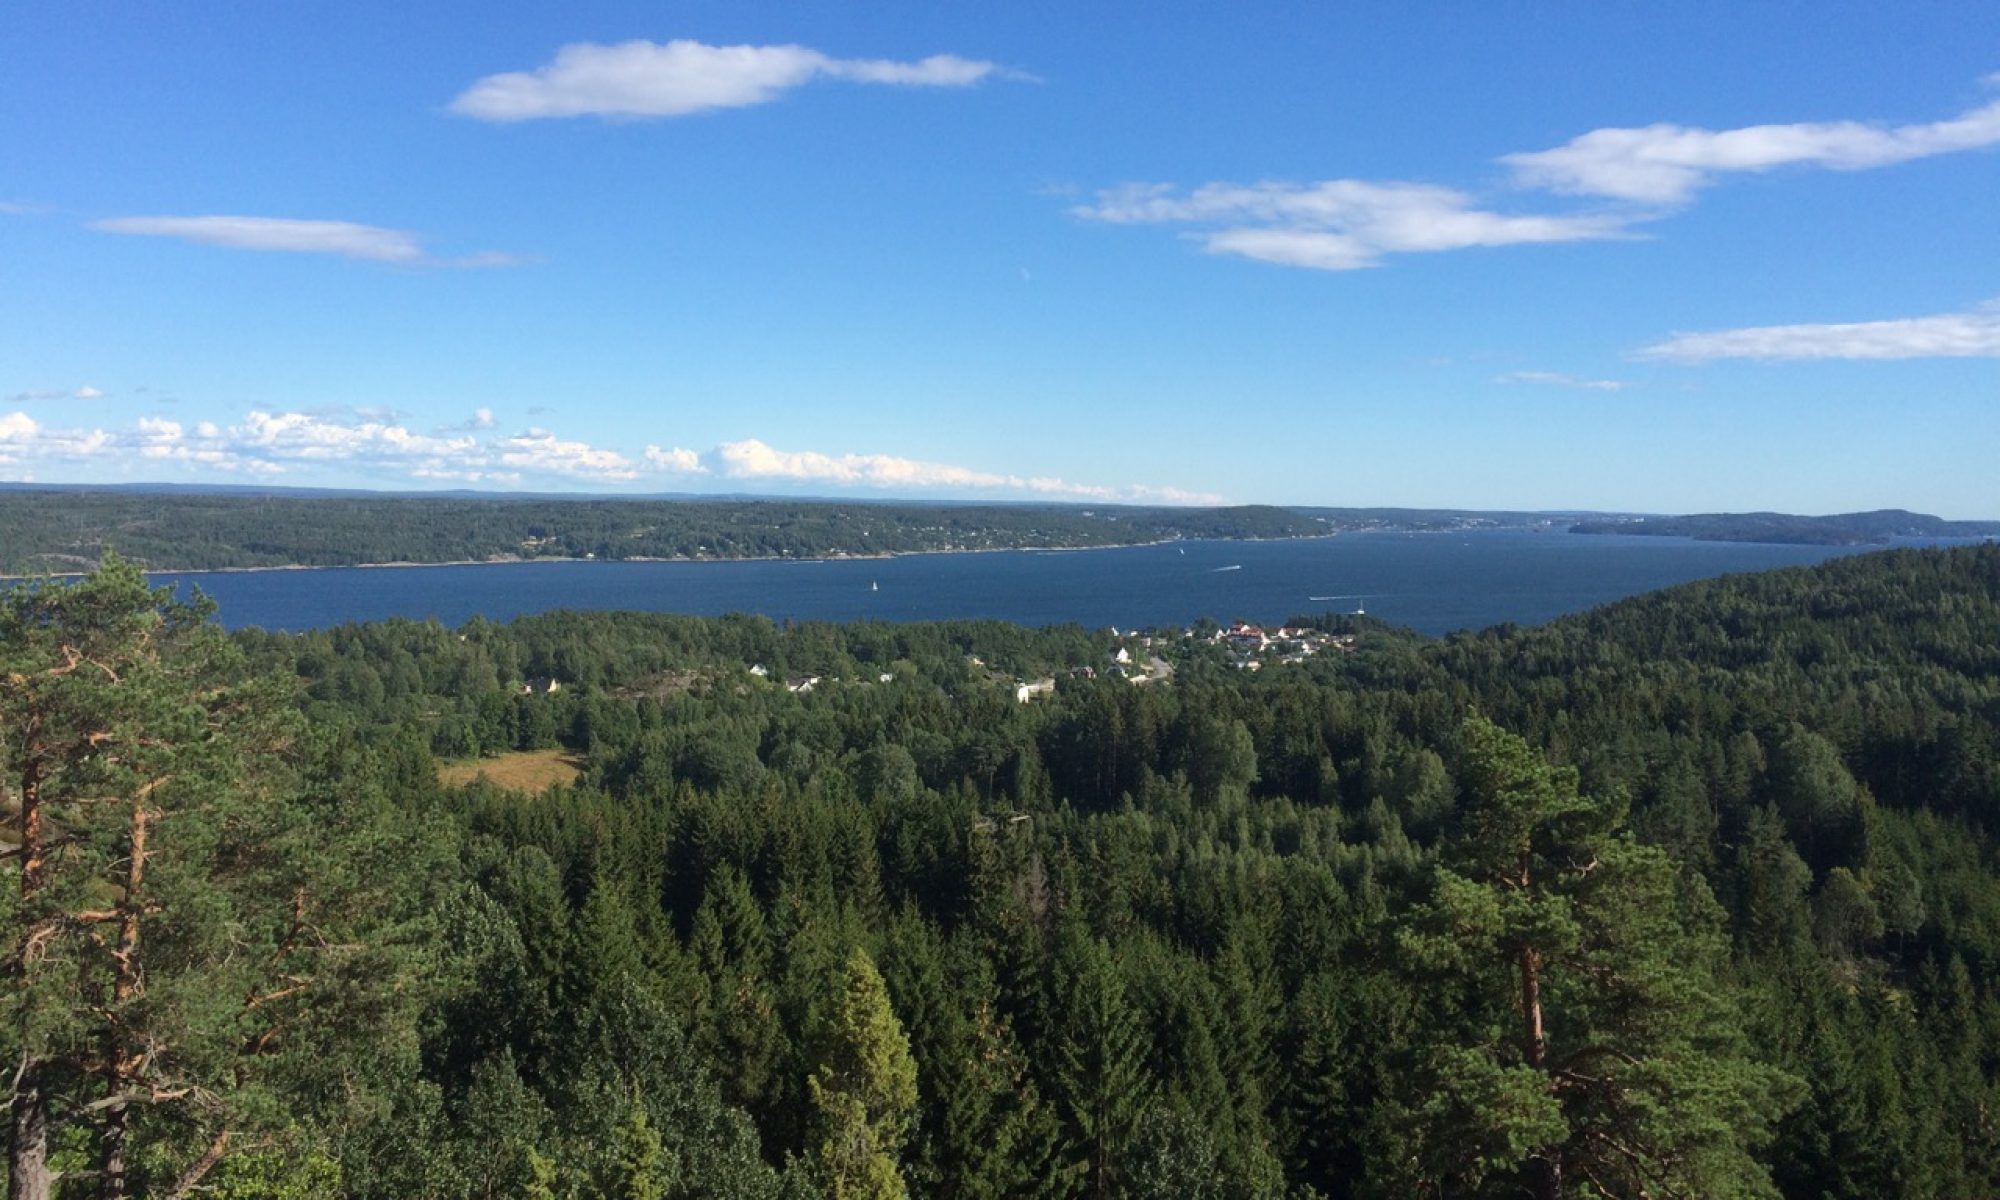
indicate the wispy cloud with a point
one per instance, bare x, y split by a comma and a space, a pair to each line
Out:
1339, 224
1668, 164
680, 78
1974, 334
346, 239
1559, 379
1630, 175
42, 395
481, 418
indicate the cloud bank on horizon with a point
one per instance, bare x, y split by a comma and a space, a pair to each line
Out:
268, 445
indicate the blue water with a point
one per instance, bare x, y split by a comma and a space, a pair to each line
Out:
1434, 582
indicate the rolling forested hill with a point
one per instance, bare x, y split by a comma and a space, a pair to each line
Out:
1694, 895
1843, 529
66, 531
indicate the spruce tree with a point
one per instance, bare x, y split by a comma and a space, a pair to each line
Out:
1100, 1084
863, 1090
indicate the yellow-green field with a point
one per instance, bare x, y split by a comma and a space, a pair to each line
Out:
525, 770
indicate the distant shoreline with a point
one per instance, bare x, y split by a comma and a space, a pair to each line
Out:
895, 554
638, 558
820, 558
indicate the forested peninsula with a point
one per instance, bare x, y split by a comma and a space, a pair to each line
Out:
1694, 895
69, 530
1845, 529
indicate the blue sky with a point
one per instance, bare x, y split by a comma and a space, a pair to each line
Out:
1496, 255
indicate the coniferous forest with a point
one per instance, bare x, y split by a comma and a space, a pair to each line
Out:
1694, 895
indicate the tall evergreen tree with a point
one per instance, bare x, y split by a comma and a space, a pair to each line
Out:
863, 1090
1596, 1049
193, 942
1100, 1081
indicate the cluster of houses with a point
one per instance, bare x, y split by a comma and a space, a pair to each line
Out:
1138, 660
1251, 646
1121, 664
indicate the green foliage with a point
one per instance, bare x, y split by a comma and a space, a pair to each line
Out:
1100, 1080
67, 530
1235, 935
268, 1176
1591, 1041
864, 1089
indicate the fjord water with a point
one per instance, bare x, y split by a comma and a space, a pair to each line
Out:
1433, 582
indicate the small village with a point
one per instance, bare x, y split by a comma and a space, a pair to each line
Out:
1253, 646
1139, 656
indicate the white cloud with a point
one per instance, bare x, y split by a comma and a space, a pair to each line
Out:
17, 428
36, 395
541, 452
21, 437
1974, 334
1347, 224
676, 461
1339, 224
1560, 379
481, 419
276, 443
755, 460
752, 459
677, 78
1667, 164
346, 239
308, 437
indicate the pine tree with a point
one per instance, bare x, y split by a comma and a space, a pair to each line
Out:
173, 939
1596, 1050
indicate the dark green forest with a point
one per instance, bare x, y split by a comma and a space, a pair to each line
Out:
68, 531
1843, 529
1694, 895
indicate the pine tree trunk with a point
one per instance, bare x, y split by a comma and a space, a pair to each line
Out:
28, 1142
28, 1150
34, 851
120, 1069
117, 1132
1545, 1170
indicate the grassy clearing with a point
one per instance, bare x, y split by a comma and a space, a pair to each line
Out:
524, 770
